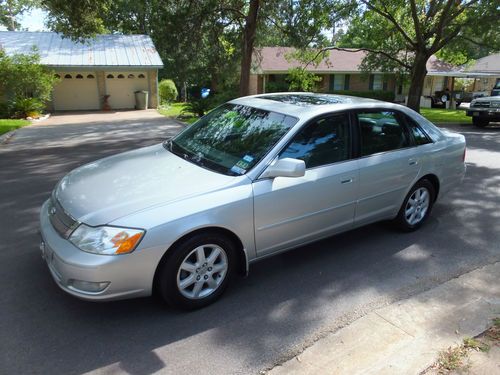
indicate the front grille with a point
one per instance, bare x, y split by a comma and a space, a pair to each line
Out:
482, 105
62, 222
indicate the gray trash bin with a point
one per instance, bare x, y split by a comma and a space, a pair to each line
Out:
141, 99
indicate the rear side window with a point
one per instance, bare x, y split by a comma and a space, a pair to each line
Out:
321, 142
381, 131
418, 134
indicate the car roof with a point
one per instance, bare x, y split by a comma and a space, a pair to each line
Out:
305, 105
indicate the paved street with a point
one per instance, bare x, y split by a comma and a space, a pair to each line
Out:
286, 302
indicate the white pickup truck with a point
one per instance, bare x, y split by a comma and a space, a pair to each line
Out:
485, 110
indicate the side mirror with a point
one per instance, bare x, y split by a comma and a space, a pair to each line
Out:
286, 167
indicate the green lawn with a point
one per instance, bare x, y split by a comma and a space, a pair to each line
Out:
175, 111
443, 116
8, 125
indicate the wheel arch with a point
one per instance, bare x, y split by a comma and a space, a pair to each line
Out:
434, 180
242, 257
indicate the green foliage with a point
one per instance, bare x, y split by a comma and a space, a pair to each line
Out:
197, 107
167, 90
10, 10
300, 79
22, 76
386, 96
27, 107
27, 84
278, 86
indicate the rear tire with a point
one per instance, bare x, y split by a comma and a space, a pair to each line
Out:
480, 122
416, 206
196, 272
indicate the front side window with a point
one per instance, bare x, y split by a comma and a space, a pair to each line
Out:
232, 138
381, 131
324, 141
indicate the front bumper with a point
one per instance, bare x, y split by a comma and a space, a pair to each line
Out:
124, 276
489, 113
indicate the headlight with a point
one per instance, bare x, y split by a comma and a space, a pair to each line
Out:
495, 104
473, 103
106, 240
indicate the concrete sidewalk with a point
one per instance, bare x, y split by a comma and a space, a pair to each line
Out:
406, 337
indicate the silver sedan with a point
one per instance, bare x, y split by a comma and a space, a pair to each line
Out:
255, 177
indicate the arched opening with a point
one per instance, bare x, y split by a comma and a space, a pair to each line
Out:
79, 76
110, 76
120, 76
90, 76
131, 76
68, 76
141, 76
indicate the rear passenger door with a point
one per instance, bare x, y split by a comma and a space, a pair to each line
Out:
388, 164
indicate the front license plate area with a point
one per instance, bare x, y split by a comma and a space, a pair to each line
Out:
475, 114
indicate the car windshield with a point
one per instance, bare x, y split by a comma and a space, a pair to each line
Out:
231, 139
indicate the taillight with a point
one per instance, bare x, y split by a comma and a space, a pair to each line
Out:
463, 156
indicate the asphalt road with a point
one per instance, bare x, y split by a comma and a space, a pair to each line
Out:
286, 302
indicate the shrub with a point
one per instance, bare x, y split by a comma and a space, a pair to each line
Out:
4, 110
27, 107
301, 80
386, 96
167, 90
276, 86
198, 107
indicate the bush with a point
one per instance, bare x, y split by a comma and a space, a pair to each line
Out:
386, 96
27, 107
198, 107
4, 110
301, 80
167, 90
276, 86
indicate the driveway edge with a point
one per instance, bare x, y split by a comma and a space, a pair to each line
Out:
406, 336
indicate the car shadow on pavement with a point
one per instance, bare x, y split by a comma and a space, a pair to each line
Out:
287, 300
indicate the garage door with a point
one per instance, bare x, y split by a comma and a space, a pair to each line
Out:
76, 91
121, 87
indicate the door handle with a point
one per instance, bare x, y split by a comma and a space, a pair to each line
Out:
346, 181
413, 162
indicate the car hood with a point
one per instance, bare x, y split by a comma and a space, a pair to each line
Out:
487, 99
105, 190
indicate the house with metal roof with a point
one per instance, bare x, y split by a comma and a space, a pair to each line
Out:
112, 66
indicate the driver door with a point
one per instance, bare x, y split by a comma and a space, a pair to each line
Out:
290, 211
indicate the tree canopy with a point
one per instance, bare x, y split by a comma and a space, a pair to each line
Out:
401, 35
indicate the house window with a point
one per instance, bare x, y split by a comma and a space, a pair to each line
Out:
79, 76
131, 76
141, 76
110, 76
120, 76
376, 82
90, 76
339, 82
68, 76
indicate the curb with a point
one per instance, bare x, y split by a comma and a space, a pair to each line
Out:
406, 336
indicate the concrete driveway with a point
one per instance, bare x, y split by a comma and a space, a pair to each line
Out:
286, 302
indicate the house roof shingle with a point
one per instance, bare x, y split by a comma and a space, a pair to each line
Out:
108, 50
276, 60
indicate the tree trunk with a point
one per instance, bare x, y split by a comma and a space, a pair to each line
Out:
417, 81
247, 46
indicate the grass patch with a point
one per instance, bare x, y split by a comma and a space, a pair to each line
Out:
444, 116
470, 343
453, 359
175, 110
8, 125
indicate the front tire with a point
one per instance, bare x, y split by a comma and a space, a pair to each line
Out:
417, 206
196, 272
